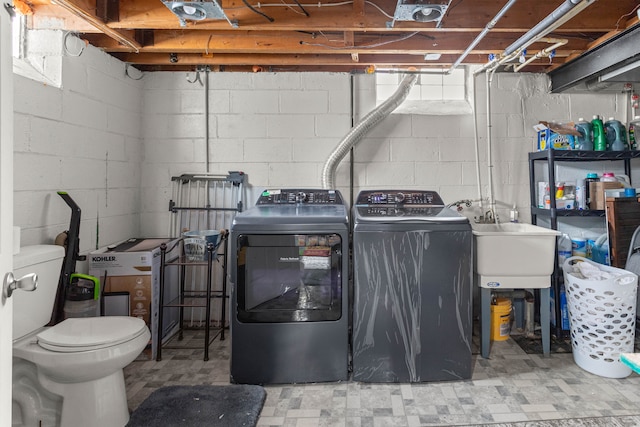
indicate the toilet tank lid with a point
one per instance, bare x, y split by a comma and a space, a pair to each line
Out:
36, 254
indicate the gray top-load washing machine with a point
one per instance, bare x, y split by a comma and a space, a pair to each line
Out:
290, 302
412, 312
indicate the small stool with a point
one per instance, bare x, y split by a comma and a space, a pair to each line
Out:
489, 284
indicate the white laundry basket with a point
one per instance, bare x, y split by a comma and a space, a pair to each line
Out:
601, 317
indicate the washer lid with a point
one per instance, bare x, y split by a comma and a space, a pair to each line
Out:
90, 333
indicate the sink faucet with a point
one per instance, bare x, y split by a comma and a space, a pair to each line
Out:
488, 218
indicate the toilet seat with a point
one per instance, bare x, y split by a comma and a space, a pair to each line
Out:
90, 333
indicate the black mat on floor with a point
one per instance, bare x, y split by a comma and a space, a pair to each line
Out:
203, 405
534, 345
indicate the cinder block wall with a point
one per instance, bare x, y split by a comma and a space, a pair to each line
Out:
83, 138
280, 129
114, 143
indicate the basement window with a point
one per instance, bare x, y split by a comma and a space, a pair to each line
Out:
433, 94
37, 54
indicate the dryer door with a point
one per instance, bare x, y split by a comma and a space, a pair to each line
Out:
289, 278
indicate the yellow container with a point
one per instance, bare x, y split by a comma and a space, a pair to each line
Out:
500, 319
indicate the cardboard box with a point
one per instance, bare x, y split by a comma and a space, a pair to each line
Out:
558, 136
130, 276
596, 193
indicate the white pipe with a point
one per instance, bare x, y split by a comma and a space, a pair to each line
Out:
543, 53
206, 118
554, 20
476, 142
492, 202
482, 34
543, 25
362, 127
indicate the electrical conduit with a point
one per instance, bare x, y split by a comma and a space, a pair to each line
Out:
482, 34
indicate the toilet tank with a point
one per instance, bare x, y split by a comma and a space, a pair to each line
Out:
32, 310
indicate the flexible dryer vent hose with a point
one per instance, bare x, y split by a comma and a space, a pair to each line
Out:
363, 127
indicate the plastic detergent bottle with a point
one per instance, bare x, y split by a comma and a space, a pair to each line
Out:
634, 125
591, 177
581, 194
585, 140
608, 177
616, 135
564, 248
599, 139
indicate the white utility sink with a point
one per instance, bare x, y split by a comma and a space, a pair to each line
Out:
514, 255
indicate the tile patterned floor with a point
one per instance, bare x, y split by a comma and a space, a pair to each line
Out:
510, 389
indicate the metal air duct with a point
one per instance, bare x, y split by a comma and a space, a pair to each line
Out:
363, 127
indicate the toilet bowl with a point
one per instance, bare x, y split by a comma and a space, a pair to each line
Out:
69, 374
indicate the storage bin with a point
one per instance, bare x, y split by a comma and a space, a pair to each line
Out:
195, 244
601, 317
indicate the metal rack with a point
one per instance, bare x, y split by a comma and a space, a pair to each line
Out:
192, 298
202, 202
550, 158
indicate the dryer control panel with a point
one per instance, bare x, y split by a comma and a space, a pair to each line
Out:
399, 198
300, 196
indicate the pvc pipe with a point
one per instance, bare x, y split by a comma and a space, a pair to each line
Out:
476, 141
543, 53
492, 202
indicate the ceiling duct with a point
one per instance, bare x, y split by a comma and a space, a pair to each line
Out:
196, 11
419, 11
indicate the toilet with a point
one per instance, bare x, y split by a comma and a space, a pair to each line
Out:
70, 374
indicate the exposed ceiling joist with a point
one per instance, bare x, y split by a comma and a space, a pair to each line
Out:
323, 34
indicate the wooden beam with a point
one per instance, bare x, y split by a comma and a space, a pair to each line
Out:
287, 42
91, 18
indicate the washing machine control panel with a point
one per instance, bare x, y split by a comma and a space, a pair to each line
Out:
396, 212
300, 196
399, 198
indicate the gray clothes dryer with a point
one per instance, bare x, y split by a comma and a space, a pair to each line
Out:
412, 312
290, 301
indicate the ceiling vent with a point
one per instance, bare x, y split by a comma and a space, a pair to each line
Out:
420, 11
196, 10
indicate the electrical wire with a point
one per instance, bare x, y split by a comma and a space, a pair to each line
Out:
66, 48
361, 47
126, 72
196, 78
630, 13
301, 8
270, 19
206, 48
318, 5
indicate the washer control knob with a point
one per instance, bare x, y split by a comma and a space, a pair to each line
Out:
399, 197
301, 197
